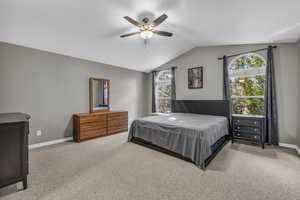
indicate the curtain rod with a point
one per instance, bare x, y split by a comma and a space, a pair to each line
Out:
274, 47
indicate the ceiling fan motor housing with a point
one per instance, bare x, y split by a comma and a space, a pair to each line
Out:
146, 20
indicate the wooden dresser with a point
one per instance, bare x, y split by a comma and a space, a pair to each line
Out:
93, 125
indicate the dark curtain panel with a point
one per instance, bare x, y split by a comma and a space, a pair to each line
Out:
226, 87
271, 102
153, 91
173, 88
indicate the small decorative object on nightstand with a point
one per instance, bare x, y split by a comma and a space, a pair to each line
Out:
250, 128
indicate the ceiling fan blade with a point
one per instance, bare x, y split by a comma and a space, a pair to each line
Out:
132, 21
159, 20
129, 34
163, 33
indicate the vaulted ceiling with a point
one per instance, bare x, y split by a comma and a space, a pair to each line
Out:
90, 29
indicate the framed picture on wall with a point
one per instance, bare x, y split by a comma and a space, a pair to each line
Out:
195, 78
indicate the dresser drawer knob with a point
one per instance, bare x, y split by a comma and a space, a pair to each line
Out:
238, 127
255, 129
238, 120
255, 122
255, 137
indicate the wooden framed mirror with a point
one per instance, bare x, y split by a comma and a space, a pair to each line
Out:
99, 95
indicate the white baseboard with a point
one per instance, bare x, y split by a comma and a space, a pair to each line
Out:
43, 144
291, 146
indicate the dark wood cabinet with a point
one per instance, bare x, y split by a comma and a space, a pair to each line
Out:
93, 125
14, 130
249, 128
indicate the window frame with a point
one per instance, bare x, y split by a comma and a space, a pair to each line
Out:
261, 71
166, 83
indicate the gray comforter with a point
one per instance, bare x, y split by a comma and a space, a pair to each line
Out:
190, 135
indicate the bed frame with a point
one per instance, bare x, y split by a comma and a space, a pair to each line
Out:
207, 107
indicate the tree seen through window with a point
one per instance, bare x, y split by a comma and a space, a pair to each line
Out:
163, 91
247, 75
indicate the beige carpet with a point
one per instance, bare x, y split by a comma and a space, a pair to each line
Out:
110, 168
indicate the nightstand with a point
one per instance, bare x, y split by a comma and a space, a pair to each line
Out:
249, 128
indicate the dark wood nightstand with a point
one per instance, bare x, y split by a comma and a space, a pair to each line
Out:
249, 128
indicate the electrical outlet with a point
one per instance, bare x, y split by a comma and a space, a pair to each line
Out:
38, 132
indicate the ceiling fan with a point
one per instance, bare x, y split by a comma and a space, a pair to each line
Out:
146, 29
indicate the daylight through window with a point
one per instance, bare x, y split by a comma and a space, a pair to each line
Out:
247, 78
163, 91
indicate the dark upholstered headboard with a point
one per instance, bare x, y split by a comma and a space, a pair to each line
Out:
206, 107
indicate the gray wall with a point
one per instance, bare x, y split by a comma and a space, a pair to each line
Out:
51, 88
286, 64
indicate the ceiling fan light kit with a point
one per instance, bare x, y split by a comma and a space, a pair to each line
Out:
146, 30
146, 35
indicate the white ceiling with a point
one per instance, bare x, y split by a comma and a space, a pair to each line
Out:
90, 29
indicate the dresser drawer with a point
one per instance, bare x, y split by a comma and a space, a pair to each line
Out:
93, 125
117, 116
117, 129
248, 129
118, 122
247, 122
93, 133
247, 136
92, 118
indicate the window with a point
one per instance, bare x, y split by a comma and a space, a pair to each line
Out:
247, 79
163, 91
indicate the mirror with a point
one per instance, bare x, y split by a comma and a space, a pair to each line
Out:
99, 95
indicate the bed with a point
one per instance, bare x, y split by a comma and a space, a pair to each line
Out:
196, 130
